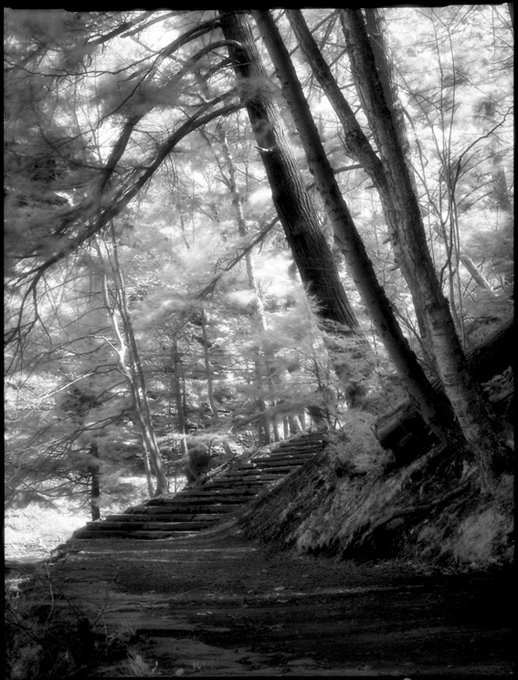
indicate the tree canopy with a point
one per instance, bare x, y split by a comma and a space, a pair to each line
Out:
176, 270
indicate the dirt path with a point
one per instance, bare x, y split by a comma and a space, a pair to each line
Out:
215, 604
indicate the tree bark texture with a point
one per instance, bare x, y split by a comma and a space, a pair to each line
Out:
403, 430
208, 368
476, 274
430, 405
311, 253
178, 394
139, 382
356, 142
471, 409
131, 366
95, 483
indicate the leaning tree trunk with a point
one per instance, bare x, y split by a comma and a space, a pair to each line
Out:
356, 142
430, 404
310, 250
403, 430
479, 427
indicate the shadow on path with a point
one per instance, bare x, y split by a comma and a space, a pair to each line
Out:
215, 604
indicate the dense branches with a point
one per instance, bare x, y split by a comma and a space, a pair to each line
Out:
221, 299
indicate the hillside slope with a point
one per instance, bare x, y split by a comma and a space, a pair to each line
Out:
347, 502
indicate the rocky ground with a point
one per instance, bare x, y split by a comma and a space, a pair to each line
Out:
218, 604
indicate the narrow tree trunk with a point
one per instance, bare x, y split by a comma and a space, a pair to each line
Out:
131, 365
261, 325
471, 409
501, 192
179, 401
208, 369
477, 276
95, 483
351, 244
311, 253
135, 364
295, 424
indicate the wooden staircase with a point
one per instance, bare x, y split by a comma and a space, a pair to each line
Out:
203, 506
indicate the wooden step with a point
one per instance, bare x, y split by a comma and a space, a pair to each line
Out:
296, 449
251, 482
164, 517
264, 477
238, 491
265, 463
198, 501
299, 446
195, 508
281, 469
306, 455
119, 533
276, 462
148, 525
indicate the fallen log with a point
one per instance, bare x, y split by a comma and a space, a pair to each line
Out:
404, 431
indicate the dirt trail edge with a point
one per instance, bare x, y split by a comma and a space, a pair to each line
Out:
216, 604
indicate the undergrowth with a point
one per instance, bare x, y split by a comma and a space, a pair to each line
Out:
349, 503
37, 529
59, 640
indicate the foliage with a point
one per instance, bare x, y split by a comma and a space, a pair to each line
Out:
117, 121
429, 512
44, 641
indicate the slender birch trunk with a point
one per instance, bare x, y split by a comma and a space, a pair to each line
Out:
131, 366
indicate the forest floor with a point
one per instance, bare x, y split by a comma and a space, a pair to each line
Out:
217, 604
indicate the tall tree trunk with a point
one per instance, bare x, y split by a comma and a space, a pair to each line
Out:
179, 400
143, 410
310, 250
500, 189
479, 426
131, 365
356, 142
95, 483
359, 264
208, 369
260, 317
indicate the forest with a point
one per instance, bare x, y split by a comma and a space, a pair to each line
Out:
258, 341
224, 228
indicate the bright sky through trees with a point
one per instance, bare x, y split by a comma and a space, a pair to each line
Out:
125, 133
